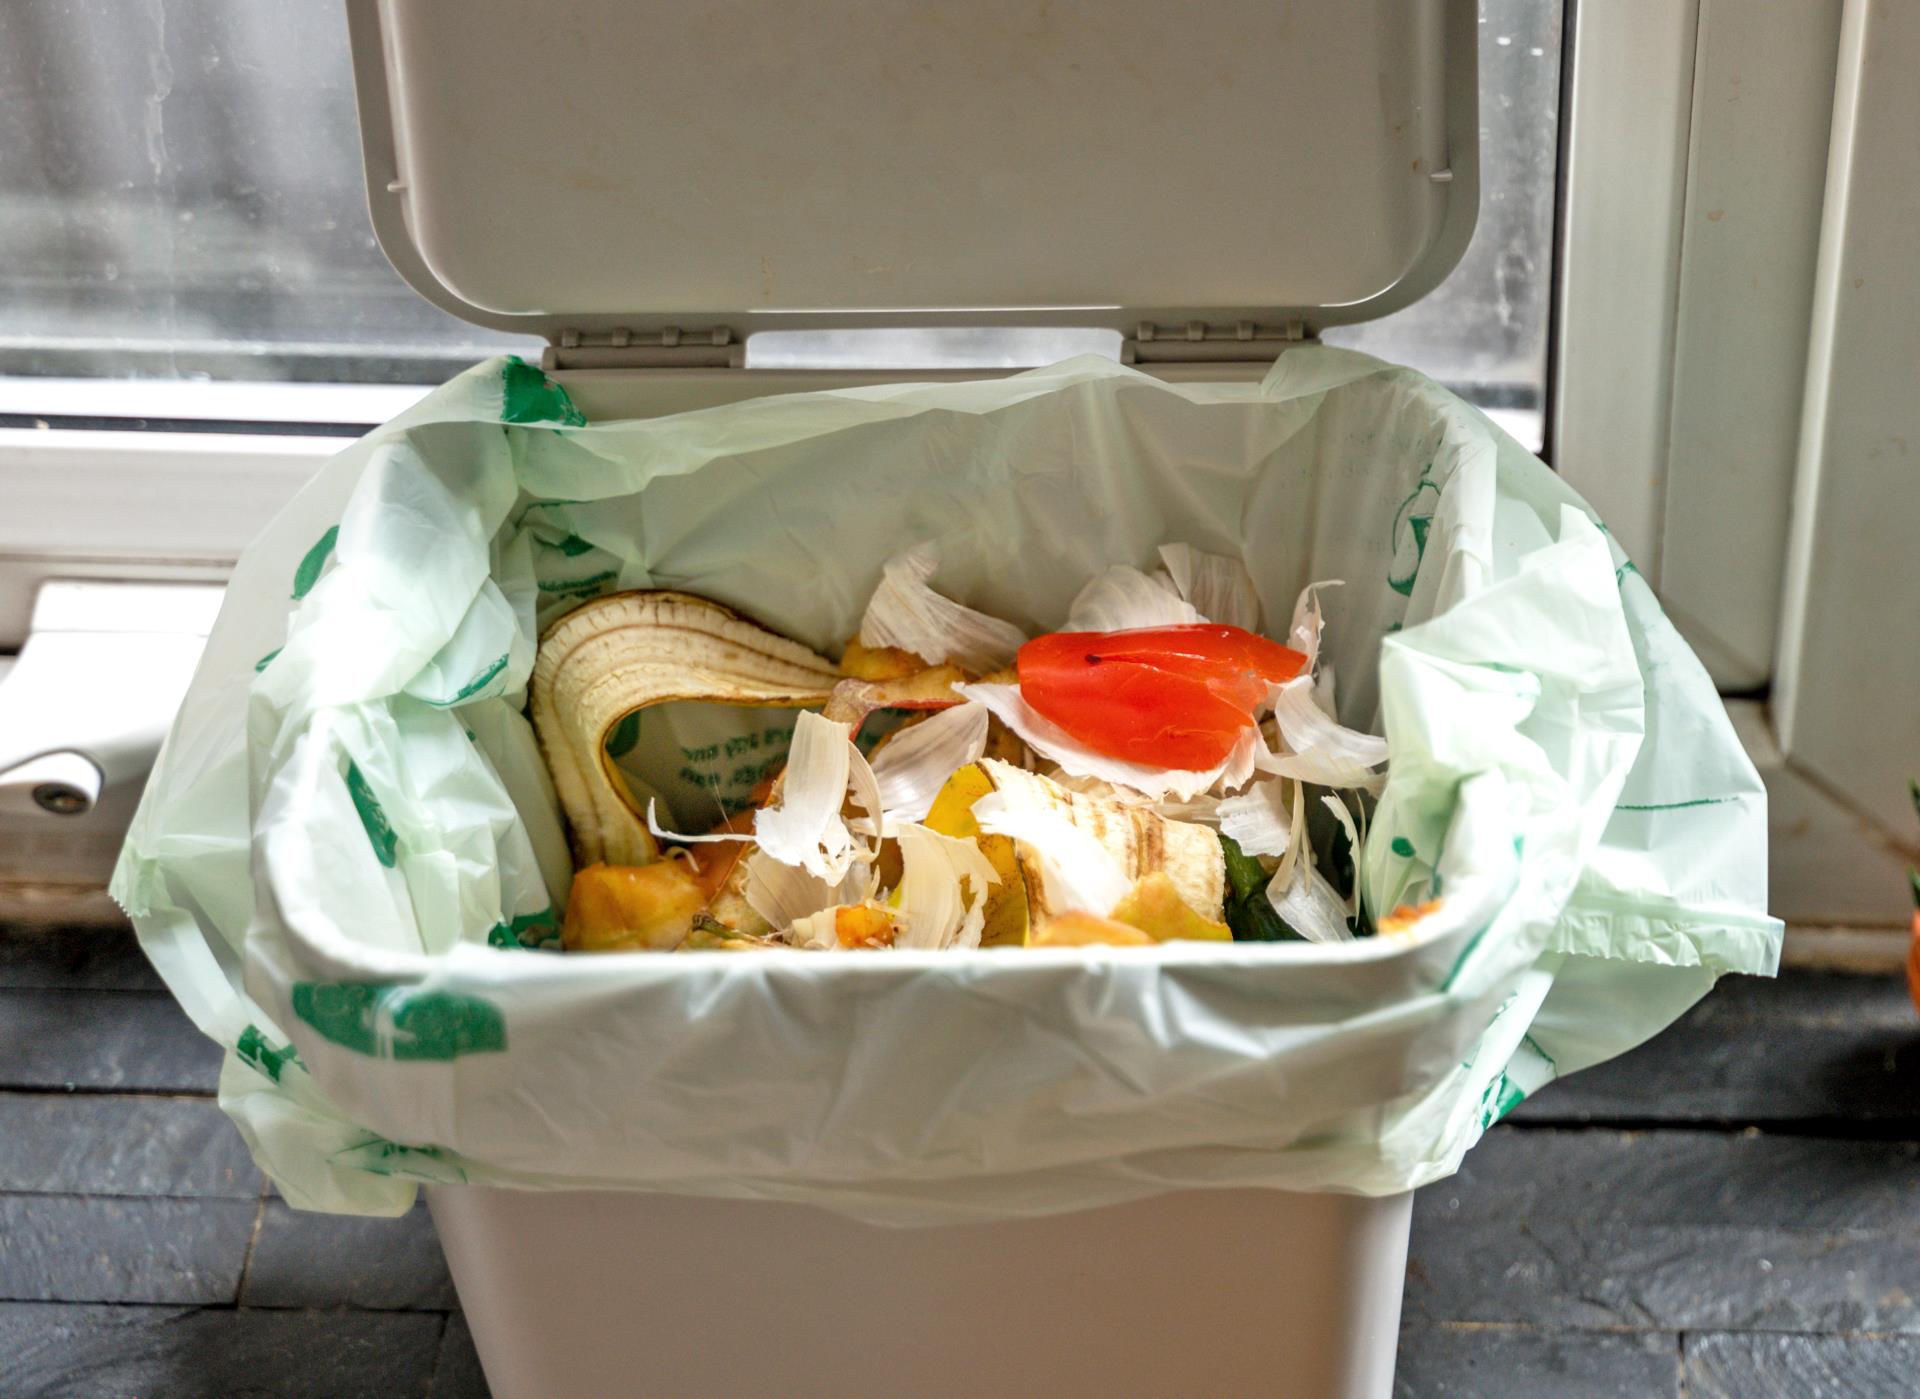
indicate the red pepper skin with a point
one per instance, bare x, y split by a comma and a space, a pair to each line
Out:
1168, 697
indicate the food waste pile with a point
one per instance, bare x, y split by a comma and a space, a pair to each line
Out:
1158, 769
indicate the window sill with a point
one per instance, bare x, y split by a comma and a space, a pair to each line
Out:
158, 506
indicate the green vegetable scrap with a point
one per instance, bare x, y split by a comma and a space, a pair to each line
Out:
1250, 915
1913, 875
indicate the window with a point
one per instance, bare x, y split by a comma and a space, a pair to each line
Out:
184, 201
1483, 331
184, 244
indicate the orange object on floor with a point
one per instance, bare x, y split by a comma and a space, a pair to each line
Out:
1913, 961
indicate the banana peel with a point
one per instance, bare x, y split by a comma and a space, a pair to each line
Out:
1088, 930
1176, 867
630, 651
1008, 922
1154, 905
854, 701
1141, 841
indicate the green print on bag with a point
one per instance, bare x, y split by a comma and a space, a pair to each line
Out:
1411, 522
528, 396
1687, 804
513, 933
573, 546
315, 560
477, 684
576, 585
257, 1052
380, 1157
391, 1022
534, 505
1503, 1095
379, 830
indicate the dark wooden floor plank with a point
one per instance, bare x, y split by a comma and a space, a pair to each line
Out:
1862, 1079
67, 1248
1809, 1047
103, 1040
1841, 1001
52, 1352
458, 1374
1675, 1177
94, 1144
1671, 1230
302, 1259
1456, 1362
98, 959
1560, 1261
1663, 1277
1759, 1366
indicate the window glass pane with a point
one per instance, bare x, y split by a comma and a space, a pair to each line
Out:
1483, 331
182, 198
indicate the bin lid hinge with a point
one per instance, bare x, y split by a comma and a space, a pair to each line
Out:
670, 347
1197, 341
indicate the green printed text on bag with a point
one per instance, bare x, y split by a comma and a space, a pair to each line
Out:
391, 1022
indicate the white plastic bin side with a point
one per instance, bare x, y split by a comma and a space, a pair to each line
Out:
1221, 1292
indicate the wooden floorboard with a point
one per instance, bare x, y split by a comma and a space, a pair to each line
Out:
98, 1144
79, 1248
302, 1259
1682, 1177
1526, 1362
92, 1041
457, 1373
53, 1352
1672, 1231
1810, 1050
1731, 1210
1760, 1366
66, 958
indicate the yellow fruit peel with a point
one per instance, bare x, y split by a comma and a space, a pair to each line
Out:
631, 908
1155, 907
1087, 930
952, 815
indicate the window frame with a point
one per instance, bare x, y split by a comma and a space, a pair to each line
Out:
148, 506
131, 463
1678, 392
1683, 314
172, 405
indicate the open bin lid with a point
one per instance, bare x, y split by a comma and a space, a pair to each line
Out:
633, 172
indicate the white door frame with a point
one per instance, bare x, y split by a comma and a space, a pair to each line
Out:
1722, 386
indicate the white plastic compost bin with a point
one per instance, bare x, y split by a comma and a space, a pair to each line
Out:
644, 183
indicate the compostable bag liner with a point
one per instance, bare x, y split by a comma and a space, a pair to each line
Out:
349, 853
